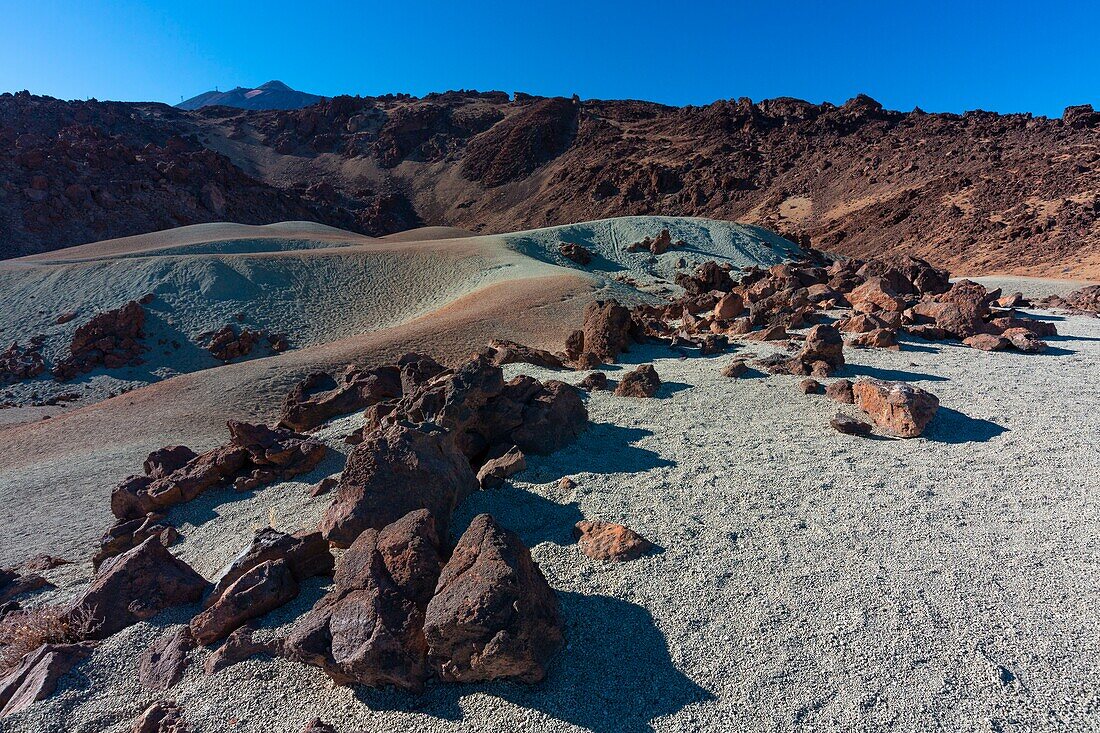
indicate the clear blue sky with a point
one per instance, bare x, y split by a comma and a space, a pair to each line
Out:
1008, 56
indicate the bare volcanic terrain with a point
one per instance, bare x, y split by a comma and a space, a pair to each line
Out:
981, 193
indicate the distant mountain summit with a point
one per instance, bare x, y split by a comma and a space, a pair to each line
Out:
272, 95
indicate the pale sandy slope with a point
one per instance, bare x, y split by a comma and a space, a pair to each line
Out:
365, 301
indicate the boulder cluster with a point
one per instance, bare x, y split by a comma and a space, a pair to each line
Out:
663, 243
22, 362
111, 339
228, 342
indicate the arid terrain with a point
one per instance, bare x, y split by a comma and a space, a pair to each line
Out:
639, 473
980, 193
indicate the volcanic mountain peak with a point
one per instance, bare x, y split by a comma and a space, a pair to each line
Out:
270, 95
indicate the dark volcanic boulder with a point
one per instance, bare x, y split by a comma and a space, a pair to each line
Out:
552, 418
501, 352
606, 330
369, 629
161, 717
708, 277
111, 339
319, 397
132, 587
35, 678
262, 588
575, 252
493, 615
396, 471
126, 534
305, 553
642, 382
163, 663
167, 460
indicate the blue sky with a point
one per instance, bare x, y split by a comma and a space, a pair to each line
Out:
1008, 56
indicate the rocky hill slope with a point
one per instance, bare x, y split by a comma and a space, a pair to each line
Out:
272, 95
978, 192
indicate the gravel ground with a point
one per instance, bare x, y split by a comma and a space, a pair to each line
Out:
806, 579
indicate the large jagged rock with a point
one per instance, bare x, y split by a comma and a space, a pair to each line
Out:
164, 461
126, 534
708, 277
606, 330
35, 677
395, 471
111, 339
493, 615
319, 397
239, 646
369, 629
305, 553
575, 252
15, 582
501, 352
875, 294
898, 408
164, 661
255, 455
907, 275
263, 587
132, 587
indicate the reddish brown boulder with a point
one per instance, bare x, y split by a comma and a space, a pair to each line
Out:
493, 615
21, 362
987, 342
129, 533
319, 397
501, 352
594, 382
35, 677
163, 663
262, 588
238, 647
642, 382
111, 339
395, 471
552, 417
369, 629
168, 460
880, 338
227, 344
824, 345
161, 717
132, 587
729, 306
849, 425
493, 472
1014, 300
305, 553
574, 345
15, 583
861, 323
841, 391
708, 277
810, 386
610, 541
606, 330
1024, 340
875, 294
575, 252
736, 368
898, 408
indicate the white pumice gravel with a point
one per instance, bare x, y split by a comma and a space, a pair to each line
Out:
806, 580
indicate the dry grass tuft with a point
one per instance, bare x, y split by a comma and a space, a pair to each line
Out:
23, 631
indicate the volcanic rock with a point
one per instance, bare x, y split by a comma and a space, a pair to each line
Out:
841, 391
111, 339
238, 647
642, 382
264, 587
880, 338
395, 471
319, 397
495, 470
810, 386
610, 541
21, 362
35, 677
129, 533
594, 382
898, 408
606, 329
875, 294
501, 352
493, 615
735, 368
370, 628
227, 344
849, 425
163, 663
575, 252
161, 717
987, 342
305, 553
132, 587
729, 306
